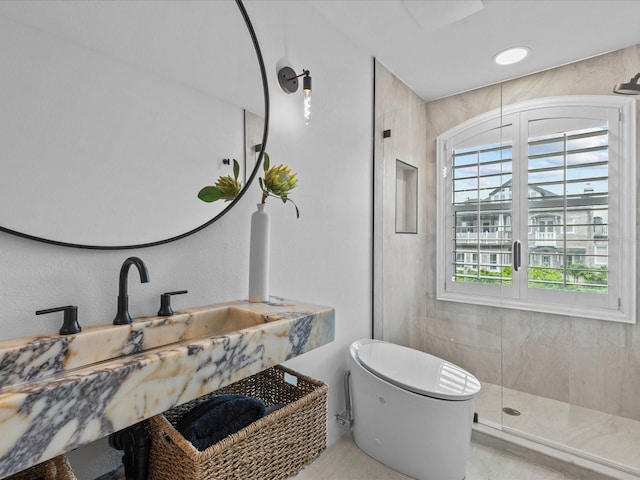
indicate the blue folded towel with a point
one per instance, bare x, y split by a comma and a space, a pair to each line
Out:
219, 417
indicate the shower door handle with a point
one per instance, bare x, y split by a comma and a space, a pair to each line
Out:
517, 259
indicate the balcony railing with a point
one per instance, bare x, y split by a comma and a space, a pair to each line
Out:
544, 238
601, 232
482, 237
537, 238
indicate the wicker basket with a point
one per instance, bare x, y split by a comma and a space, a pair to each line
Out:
274, 447
55, 469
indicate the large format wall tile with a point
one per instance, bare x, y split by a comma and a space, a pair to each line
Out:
460, 335
537, 355
399, 258
598, 365
629, 401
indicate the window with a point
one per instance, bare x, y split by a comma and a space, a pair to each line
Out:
548, 188
601, 255
569, 227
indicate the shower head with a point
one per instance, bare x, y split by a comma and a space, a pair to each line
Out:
631, 88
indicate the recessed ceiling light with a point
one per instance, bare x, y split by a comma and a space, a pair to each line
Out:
511, 55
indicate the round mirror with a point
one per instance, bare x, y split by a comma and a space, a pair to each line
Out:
115, 114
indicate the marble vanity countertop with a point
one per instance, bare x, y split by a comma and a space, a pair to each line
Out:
55, 406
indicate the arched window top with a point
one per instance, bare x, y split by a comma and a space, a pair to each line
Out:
580, 101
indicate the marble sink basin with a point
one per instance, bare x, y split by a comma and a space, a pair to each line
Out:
193, 324
32, 358
60, 392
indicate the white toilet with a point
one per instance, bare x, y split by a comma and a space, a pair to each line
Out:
411, 411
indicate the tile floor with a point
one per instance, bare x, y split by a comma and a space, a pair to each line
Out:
598, 434
345, 461
601, 435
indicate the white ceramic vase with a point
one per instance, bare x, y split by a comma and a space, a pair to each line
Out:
259, 256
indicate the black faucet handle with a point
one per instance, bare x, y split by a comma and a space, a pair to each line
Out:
70, 323
165, 303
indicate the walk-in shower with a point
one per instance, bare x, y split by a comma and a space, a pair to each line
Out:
565, 381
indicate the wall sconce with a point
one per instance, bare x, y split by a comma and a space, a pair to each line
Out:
631, 88
289, 83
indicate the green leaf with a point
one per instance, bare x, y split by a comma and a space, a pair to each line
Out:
236, 168
266, 163
296, 207
209, 194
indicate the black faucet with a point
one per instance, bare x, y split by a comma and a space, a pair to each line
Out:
123, 317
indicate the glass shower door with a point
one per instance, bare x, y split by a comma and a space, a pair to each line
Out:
482, 247
565, 379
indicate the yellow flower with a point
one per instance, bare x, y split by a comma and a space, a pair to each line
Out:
229, 187
279, 180
226, 188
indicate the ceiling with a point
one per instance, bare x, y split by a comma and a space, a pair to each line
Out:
443, 47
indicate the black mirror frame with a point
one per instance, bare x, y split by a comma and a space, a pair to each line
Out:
257, 166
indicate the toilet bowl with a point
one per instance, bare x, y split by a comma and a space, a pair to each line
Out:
411, 411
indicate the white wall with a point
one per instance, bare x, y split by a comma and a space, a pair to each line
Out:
324, 257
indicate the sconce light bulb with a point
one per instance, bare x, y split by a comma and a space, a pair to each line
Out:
307, 107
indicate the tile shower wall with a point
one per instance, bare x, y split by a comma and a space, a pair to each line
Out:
590, 363
399, 258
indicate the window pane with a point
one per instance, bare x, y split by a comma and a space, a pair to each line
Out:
465, 184
592, 156
466, 197
545, 147
462, 159
590, 138
568, 196
597, 172
492, 169
588, 187
548, 190
535, 163
542, 177
482, 214
465, 172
